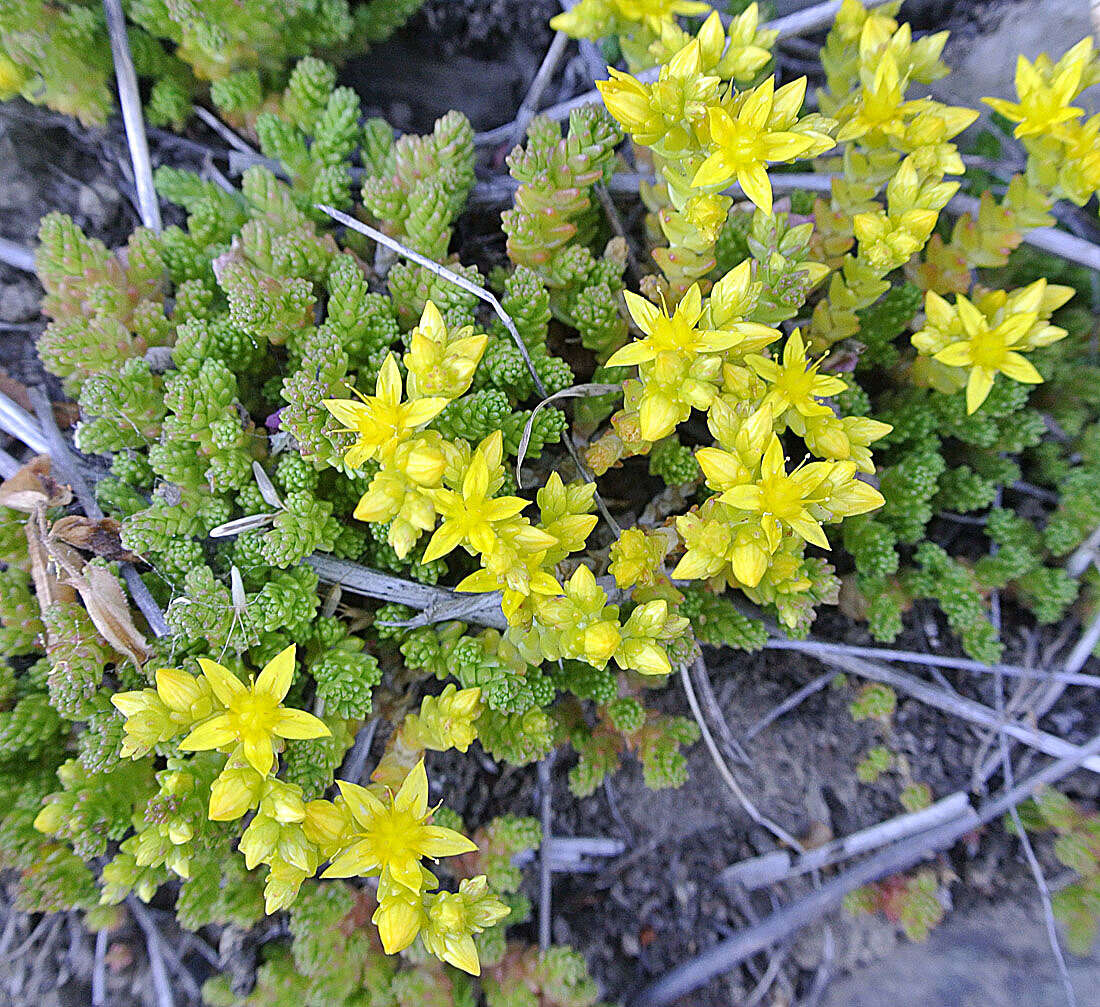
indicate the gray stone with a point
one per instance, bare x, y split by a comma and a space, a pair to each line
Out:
995, 957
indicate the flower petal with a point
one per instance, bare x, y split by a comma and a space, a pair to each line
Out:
362, 804
413, 793
225, 684
436, 841
1019, 368
257, 750
299, 725
214, 733
358, 859
275, 679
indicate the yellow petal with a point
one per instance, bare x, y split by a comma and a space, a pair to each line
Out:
977, 388
349, 412
214, 733
638, 352
275, 679
715, 170
756, 186
257, 750
422, 410
225, 684
809, 529
747, 497
437, 841
446, 538
643, 311
1019, 368
461, 952
413, 794
398, 923
299, 725
177, 688
358, 859
362, 804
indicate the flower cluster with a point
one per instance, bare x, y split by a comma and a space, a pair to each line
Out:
362, 833
705, 133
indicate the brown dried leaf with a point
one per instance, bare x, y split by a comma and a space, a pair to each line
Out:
34, 486
107, 605
102, 537
47, 588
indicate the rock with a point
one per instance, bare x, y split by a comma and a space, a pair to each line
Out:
98, 203
996, 956
18, 302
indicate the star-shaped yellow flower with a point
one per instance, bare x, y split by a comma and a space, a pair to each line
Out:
988, 351
382, 421
393, 835
254, 716
472, 515
794, 383
781, 498
1043, 104
743, 144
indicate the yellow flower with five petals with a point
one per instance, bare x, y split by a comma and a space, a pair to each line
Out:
393, 835
382, 421
254, 716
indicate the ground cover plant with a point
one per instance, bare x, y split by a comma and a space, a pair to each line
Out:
327, 475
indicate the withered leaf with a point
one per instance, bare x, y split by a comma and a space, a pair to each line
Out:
34, 486
47, 588
102, 537
107, 605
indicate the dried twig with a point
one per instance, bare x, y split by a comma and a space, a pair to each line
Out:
538, 87
356, 759
438, 604
781, 834
219, 127
130, 100
898, 857
8, 465
934, 660
16, 256
67, 467
545, 791
15, 420
1033, 861
617, 227
733, 749
793, 700
959, 706
161, 985
778, 866
99, 970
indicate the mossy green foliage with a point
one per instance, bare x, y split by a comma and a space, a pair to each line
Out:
58, 53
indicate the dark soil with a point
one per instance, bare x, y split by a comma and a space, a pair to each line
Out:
659, 903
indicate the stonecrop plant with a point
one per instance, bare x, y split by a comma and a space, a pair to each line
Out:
344, 480
57, 52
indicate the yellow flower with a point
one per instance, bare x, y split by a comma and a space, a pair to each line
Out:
441, 363
253, 716
382, 421
781, 498
1043, 104
454, 917
393, 835
680, 363
988, 351
743, 143
795, 383
472, 516
654, 13
154, 716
